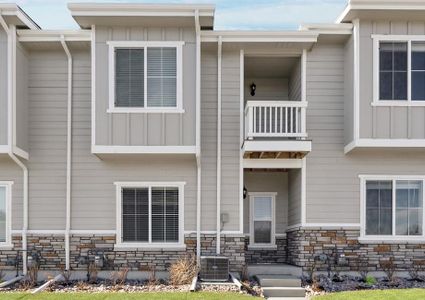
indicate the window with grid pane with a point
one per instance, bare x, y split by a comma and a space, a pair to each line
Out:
150, 214
379, 208
393, 71
409, 208
262, 219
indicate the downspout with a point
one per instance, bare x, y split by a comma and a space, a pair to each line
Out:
198, 135
68, 155
219, 62
11, 100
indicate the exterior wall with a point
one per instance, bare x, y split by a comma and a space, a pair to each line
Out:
294, 197
268, 89
22, 104
145, 129
209, 138
348, 90
230, 163
268, 256
51, 250
275, 182
335, 197
295, 83
3, 87
304, 245
386, 122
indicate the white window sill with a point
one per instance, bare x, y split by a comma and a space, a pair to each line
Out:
149, 247
262, 247
135, 110
400, 103
392, 240
6, 247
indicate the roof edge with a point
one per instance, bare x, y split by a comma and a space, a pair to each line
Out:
12, 9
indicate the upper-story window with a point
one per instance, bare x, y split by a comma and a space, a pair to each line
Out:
399, 70
145, 76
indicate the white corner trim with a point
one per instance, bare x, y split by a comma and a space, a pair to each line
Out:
93, 86
384, 143
8, 194
356, 79
105, 149
178, 45
241, 135
304, 191
148, 245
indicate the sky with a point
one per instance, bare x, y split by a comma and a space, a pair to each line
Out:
230, 14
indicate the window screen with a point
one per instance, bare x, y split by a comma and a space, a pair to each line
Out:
379, 208
129, 77
392, 71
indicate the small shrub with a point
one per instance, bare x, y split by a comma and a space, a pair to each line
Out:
66, 274
2, 275
370, 280
152, 275
415, 270
362, 268
92, 272
119, 277
32, 273
244, 273
310, 271
388, 267
183, 270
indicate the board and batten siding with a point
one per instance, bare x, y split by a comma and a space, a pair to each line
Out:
3, 88
268, 182
333, 185
294, 197
145, 129
295, 83
386, 122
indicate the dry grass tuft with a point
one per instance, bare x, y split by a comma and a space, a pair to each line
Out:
183, 270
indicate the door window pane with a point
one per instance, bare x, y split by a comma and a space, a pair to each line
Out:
418, 70
262, 232
262, 215
393, 71
409, 208
379, 208
2, 214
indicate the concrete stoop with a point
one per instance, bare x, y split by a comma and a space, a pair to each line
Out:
284, 287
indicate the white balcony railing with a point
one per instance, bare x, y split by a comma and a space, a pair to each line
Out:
279, 119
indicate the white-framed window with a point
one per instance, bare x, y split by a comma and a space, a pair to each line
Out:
262, 220
150, 214
392, 207
5, 213
399, 70
145, 77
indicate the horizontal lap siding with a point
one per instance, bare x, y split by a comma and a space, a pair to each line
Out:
386, 122
141, 129
9, 171
3, 87
22, 98
333, 186
209, 139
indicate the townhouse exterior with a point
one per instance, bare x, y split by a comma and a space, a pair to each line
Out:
147, 135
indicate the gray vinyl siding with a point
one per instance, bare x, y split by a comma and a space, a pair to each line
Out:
145, 129
268, 89
295, 83
230, 138
3, 87
209, 139
294, 197
386, 122
333, 185
349, 91
21, 98
274, 182
9, 171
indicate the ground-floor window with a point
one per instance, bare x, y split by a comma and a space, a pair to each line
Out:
5, 212
262, 219
393, 206
150, 213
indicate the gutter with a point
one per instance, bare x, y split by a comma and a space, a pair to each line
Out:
198, 135
68, 154
219, 63
11, 103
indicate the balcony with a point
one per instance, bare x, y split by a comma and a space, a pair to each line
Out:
275, 129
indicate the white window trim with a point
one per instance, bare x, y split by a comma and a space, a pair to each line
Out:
138, 44
272, 244
8, 186
148, 245
393, 237
394, 38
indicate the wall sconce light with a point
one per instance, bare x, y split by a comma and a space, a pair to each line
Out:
245, 192
253, 89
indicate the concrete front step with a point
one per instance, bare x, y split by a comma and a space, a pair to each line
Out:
274, 269
278, 281
283, 292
